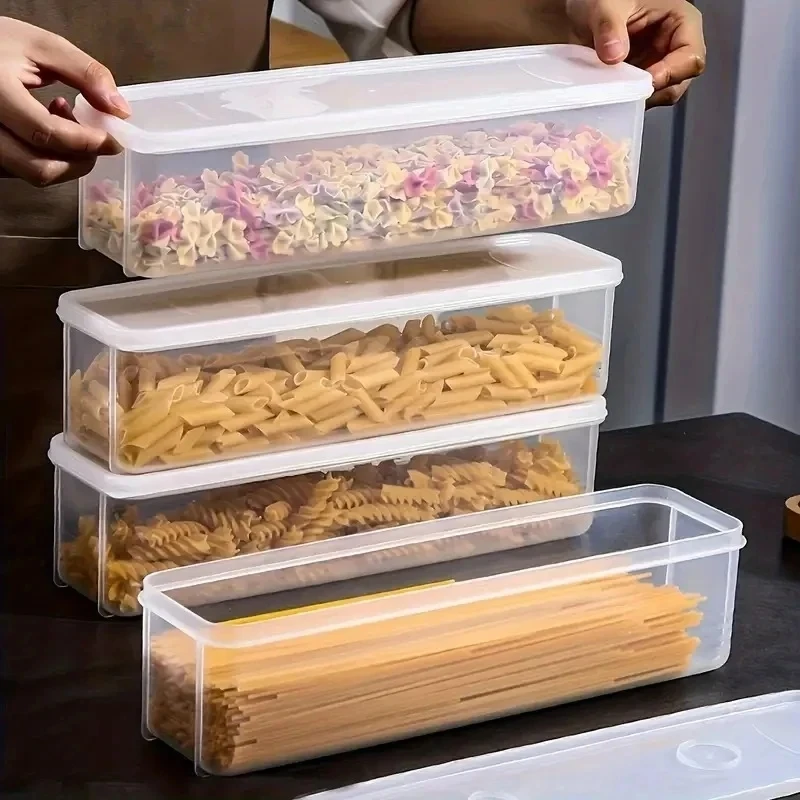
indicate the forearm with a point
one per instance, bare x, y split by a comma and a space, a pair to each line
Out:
448, 25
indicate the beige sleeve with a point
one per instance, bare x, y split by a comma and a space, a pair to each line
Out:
367, 28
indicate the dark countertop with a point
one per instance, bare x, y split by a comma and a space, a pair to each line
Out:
70, 681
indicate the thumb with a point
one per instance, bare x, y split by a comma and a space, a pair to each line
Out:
80, 71
608, 24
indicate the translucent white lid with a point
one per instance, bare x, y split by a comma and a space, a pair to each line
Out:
323, 457
148, 315
748, 750
297, 104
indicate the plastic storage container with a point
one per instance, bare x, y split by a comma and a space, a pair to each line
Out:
112, 530
747, 750
280, 657
248, 169
159, 377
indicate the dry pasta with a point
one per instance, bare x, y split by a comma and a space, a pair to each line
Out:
169, 411
287, 511
383, 680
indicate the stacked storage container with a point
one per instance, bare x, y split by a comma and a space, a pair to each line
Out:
356, 381
372, 360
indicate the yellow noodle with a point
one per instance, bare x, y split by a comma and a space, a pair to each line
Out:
449, 369
500, 370
333, 409
338, 368
456, 398
189, 441
410, 361
284, 423
481, 377
519, 314
501, 392
371, 380
206, 414
331, 424
245, 404
366, 403
580, 363
160, 447
520, 371
325, 398
246, 420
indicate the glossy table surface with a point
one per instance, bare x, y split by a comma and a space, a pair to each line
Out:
71, 681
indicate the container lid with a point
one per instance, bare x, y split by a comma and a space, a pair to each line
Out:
748, 750
323, 457
146, 316
627, 531
386, 94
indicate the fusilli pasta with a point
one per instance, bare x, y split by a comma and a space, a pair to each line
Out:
293, 510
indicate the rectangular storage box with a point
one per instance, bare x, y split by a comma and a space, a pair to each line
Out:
112, 530
745, 750
307, 163
280, 657
160, 377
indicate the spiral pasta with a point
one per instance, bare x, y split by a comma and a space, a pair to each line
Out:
293, 510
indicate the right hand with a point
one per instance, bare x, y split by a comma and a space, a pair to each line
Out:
45, 145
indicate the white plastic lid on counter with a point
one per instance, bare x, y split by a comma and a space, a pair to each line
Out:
747, 750
165, 376
220, 172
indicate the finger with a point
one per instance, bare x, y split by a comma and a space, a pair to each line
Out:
20, 161
30, 121
668, 96
81, 71
685, 52
608, 23
678, 66
61, 108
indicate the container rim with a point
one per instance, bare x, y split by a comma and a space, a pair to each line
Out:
614, 84
725, 537
74, 307
334, 455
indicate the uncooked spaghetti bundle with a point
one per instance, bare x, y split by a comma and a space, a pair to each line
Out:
386, 679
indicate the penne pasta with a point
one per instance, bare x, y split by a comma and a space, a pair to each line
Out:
511, 354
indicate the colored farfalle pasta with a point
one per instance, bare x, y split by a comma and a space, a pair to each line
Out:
294, 510
383, 680
359, 197
165, 411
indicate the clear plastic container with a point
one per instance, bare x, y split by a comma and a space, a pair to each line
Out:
306, 163
745, 750
280, 657
112, 530
160, 377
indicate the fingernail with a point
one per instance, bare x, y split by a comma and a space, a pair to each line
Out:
120, 103
614, 49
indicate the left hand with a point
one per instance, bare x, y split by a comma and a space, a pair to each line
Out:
665, 37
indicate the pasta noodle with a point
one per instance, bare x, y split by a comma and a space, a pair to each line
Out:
276, 394
392, 678
284, 511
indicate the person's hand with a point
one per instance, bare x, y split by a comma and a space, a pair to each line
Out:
665, 37
45, 145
